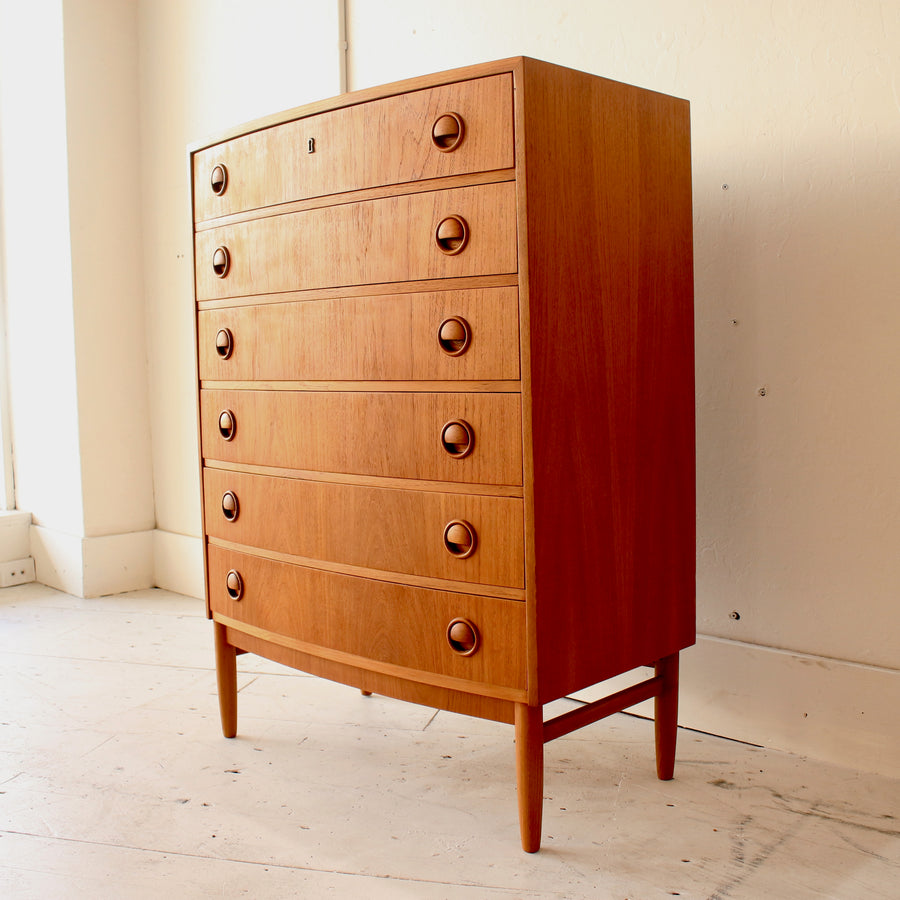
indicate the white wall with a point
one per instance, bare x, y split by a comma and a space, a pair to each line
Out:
206, 65
795, 109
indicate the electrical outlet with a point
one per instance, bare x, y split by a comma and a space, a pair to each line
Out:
16, 571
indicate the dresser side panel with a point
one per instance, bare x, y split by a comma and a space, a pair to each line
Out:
610, 381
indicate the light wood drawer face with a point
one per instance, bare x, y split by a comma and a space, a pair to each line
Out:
390, 530
369, 145
383, 623
384, 434
370, 242
386, 338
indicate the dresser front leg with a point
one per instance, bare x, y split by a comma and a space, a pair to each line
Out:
226, 678
666, 716
530, 773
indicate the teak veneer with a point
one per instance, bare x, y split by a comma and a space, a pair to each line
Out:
446, 397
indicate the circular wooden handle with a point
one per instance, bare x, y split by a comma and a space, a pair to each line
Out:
224, 343
452, 235
227, 424
457, 438
463, 637
454, 336
234, 584
448, 132
231, 509
218, 179
221, 261
459, 539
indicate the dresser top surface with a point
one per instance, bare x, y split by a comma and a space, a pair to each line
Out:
352, 98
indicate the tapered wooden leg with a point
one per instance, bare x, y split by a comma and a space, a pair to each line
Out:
226, 678
530, 774
666, 706
365, 693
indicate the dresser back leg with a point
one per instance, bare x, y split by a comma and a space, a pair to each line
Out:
530, 773
226, 678
666, 716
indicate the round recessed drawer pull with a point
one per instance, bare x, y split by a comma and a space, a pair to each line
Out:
452, 235
221, 261
218, 179
448, 132
463, 637
459, 539
227, 424
231, 509
224, 343
457, 438
454, 336
234, 585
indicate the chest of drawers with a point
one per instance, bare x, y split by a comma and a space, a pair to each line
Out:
445, 380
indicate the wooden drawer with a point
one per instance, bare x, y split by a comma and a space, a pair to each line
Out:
379, 623
372, 144
370, 242
387, 338
394, 531
388, 434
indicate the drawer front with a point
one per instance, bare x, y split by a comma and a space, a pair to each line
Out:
370, 242
384, 624
372, 144
401, 435
387, 338
394, 531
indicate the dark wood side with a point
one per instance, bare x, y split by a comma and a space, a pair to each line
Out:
607, 291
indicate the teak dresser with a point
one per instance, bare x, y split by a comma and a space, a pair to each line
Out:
446, 392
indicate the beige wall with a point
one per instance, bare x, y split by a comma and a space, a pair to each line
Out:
794, 108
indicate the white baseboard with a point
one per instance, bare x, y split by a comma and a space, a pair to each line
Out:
832, 710
112, 564
179, 563
92, 566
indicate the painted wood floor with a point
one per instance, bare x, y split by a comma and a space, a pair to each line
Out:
115, 782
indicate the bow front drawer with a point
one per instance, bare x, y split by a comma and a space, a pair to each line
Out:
436, 234
373, 624
460, 537
449, 130
472, 438
442, 336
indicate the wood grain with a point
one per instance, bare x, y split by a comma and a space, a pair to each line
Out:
405, 484
386, 338
608, 373
388, 434
387, 141
390, 530
383, 625
373, 242
530, 774
357, 571
426, 185
475, 282
226, 681
455, 700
